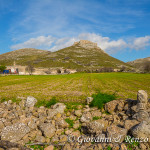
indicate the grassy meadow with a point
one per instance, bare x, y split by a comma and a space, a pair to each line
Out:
73, 87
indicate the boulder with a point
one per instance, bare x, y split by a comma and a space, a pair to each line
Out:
142, 96
86, 117
51, 113
51, 147
116, 133
61, 123
48, 129
142, 130
97, 126
130, 124
142, 115
15, 132
89, 100
59, 107
115, 105
40, 139
96, 113
78, 113
30, 101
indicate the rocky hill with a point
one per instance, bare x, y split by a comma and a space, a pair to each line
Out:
81, 55
139, 63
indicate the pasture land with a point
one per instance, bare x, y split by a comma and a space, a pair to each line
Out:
73, 87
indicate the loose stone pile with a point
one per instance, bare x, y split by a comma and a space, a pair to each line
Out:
76, 128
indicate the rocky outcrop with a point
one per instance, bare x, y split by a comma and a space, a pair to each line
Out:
86, 44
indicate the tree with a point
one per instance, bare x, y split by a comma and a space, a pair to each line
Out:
147, 66
30, 68
2, 68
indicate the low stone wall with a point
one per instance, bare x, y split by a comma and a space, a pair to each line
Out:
113, 127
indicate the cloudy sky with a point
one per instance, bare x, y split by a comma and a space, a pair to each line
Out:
120, 27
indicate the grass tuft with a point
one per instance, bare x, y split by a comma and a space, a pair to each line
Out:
70, 122
73, 105
96, 118
46, 103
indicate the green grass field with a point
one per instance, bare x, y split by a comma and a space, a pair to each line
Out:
74, 87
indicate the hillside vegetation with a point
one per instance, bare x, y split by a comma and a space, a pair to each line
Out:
73, 57
74, 87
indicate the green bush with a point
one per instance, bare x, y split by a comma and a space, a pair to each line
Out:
2, 68
53, 101
100, 99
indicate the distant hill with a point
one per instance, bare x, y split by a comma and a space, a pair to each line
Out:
82, 55
139, 63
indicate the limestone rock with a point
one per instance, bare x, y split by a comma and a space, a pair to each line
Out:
96, 127
86, 117
116, 133
30, 101
123, 147
142, 96
62, 123
86, 44
48, 129
63, 138
96, 113
59, 107
89, 100
40, 139
51, 113
51, 147
130, 123
114, 105
67, 147
141, 115
15, 132
1, 125
142, 130
78, 113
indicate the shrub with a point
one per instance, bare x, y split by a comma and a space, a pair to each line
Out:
100, 99
2, 68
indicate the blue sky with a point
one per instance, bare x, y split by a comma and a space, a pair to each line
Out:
120, 27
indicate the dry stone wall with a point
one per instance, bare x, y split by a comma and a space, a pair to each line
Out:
81, 128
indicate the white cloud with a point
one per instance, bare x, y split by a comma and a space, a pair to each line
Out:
140, 43
40, 41
105, 43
